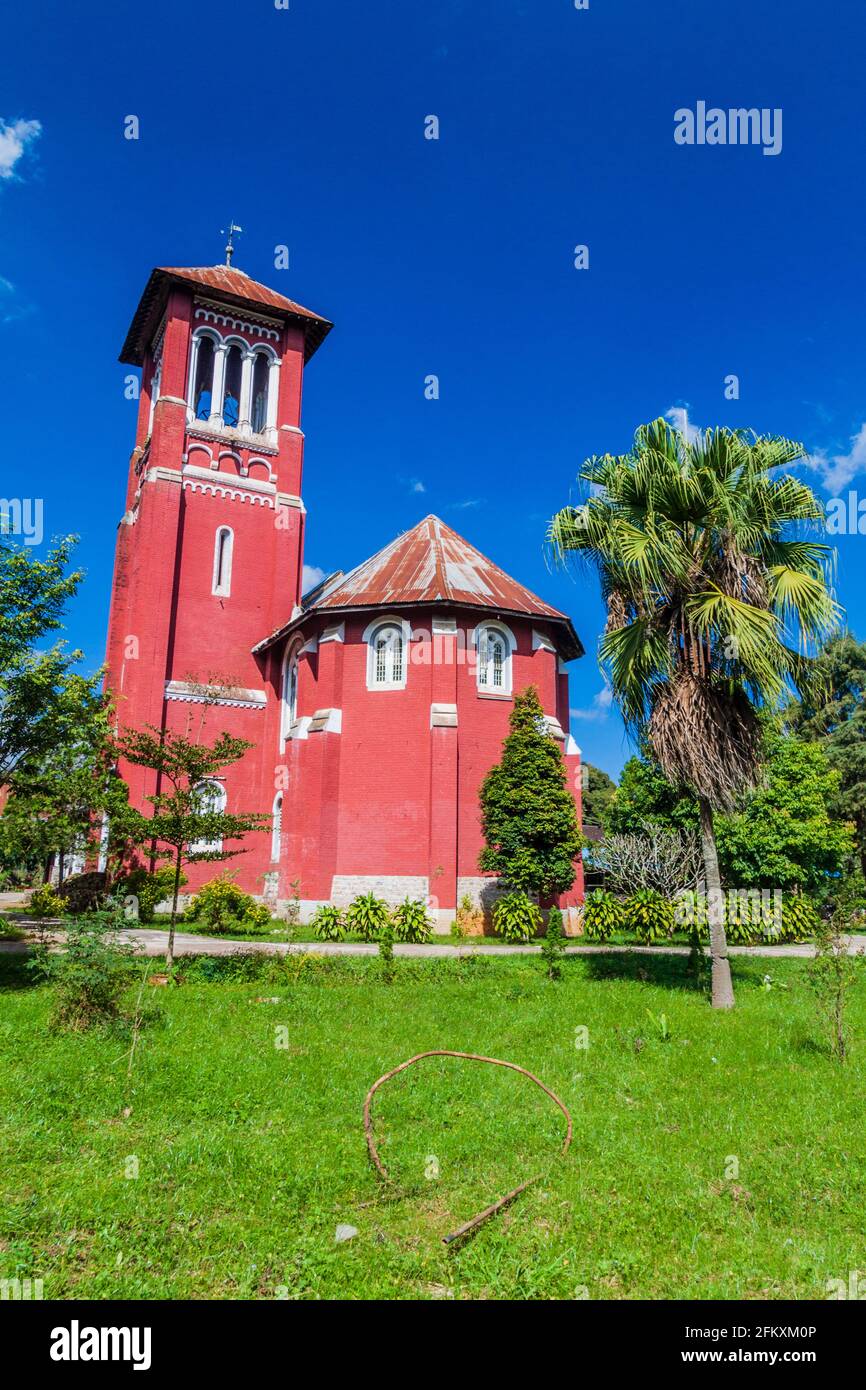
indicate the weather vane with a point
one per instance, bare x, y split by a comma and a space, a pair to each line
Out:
233, 227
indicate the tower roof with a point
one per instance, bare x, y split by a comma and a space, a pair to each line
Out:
225, 283
431, 564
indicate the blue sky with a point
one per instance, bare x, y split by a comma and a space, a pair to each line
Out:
451, 257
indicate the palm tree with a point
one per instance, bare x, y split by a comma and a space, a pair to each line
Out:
715, 598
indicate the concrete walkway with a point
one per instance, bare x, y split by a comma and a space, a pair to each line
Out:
152, 942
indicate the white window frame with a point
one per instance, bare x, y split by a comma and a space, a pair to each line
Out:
289, 707
216, 339
483, 664
221, 585
387, 622
277, 828
219, 804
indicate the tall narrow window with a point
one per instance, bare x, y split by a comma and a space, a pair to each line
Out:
222, 562
259, 417
210, 799
203, 385
232, 393
386, 660
289, 693
494, 661
277, 830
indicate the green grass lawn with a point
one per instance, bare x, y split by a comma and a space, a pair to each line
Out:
249, 1154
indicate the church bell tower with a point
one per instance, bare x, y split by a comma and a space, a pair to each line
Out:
210, 546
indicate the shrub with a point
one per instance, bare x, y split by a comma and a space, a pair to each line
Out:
366, 917
89, 976
328, 923
553, 945
515, 917
832, 973
801, 919
468, 920
410, 921
649, 915
149, 888
603, 914
386, 950
221, 906
45, 902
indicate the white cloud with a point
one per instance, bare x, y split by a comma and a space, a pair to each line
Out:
15, 137
312, 576
463, 506
837, 470
679, 418
416, 485
601, 704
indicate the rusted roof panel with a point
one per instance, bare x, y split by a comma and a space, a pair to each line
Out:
431, 564
226, 283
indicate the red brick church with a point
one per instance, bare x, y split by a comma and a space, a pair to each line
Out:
376, 702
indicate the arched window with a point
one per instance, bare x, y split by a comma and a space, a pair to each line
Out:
232, 392
222, 562
259, 415
277, 828
210, 798
386, 669
494, 660
289, 694
202, 394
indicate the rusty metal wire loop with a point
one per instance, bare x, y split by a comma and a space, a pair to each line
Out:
373, 1151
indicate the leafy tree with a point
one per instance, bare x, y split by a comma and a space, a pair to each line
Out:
832, 712
528, 815
785, 835
57, 799
185, 827
646, 797
40, 695
597, 792
710, 599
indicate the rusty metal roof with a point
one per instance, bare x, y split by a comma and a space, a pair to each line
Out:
225, 283
431, 564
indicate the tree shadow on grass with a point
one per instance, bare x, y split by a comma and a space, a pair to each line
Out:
14, 973
668, 972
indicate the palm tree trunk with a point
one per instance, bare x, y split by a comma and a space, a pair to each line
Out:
722, 988
169, 955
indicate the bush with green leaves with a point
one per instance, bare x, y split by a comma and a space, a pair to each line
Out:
553, 945
328, 923
650, 915
90, 975
148, 888
603, 914
410, 921
366, 916
45, 902
801, 919
516, 917
221, 906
